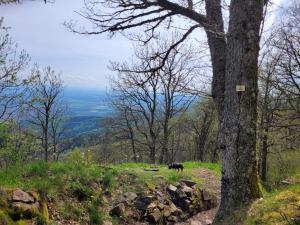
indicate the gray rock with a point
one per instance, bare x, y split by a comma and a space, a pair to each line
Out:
154, 216
173, 219
180, 194
174, 210
152, 205
131, 196
22, 196
171, 189
187, 190
118, 210
188, 183
142, 202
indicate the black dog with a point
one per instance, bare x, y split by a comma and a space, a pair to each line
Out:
176, 166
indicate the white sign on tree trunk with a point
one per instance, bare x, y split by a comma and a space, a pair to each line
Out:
240, 88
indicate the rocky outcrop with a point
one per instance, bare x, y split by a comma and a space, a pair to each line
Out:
23, 205
165, 206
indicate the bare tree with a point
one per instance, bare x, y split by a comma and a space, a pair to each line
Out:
202, 122
280, 70
46, 109
142, 100
12, 85
176, 79
126, 121
168, 97
234, 57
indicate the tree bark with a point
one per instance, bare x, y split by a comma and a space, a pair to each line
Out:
238, 127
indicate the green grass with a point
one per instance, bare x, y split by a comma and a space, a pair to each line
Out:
164, 175
69, 184
281, 207
212, 166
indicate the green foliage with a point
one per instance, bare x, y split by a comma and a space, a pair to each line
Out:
108, 178
95, 215
82, 192
281, 166
70, 211
281, 207
76, 157
15, 144
175, 177
4, 219
39, 169
68, 184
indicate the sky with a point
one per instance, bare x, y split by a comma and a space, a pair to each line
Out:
38, 28
82, 60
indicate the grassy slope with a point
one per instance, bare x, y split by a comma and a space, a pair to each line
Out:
281, 207
66, 183
75, 190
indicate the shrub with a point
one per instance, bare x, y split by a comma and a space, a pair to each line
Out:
82, 192
96, 216
76, 157
38, 169
107, 180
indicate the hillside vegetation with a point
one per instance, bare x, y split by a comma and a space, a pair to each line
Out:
84, 193
81, 193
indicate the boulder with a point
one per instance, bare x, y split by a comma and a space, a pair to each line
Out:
160, 206
171, 210
118, 210
180, 194
154, 216
23, 210
22, 196
152, 205
187, 190
130, 196
173, 219
171, 189
142, 202
174, 210
188, 183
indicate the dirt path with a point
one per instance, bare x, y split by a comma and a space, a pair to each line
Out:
211, 182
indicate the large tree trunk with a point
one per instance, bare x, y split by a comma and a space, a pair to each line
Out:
238, 126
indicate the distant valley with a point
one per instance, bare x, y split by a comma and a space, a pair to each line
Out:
86, 110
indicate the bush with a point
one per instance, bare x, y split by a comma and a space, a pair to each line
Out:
82, 192
38, 169
107, 180
96, 216
76, 157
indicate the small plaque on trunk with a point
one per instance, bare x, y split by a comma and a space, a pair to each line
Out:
240, 88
